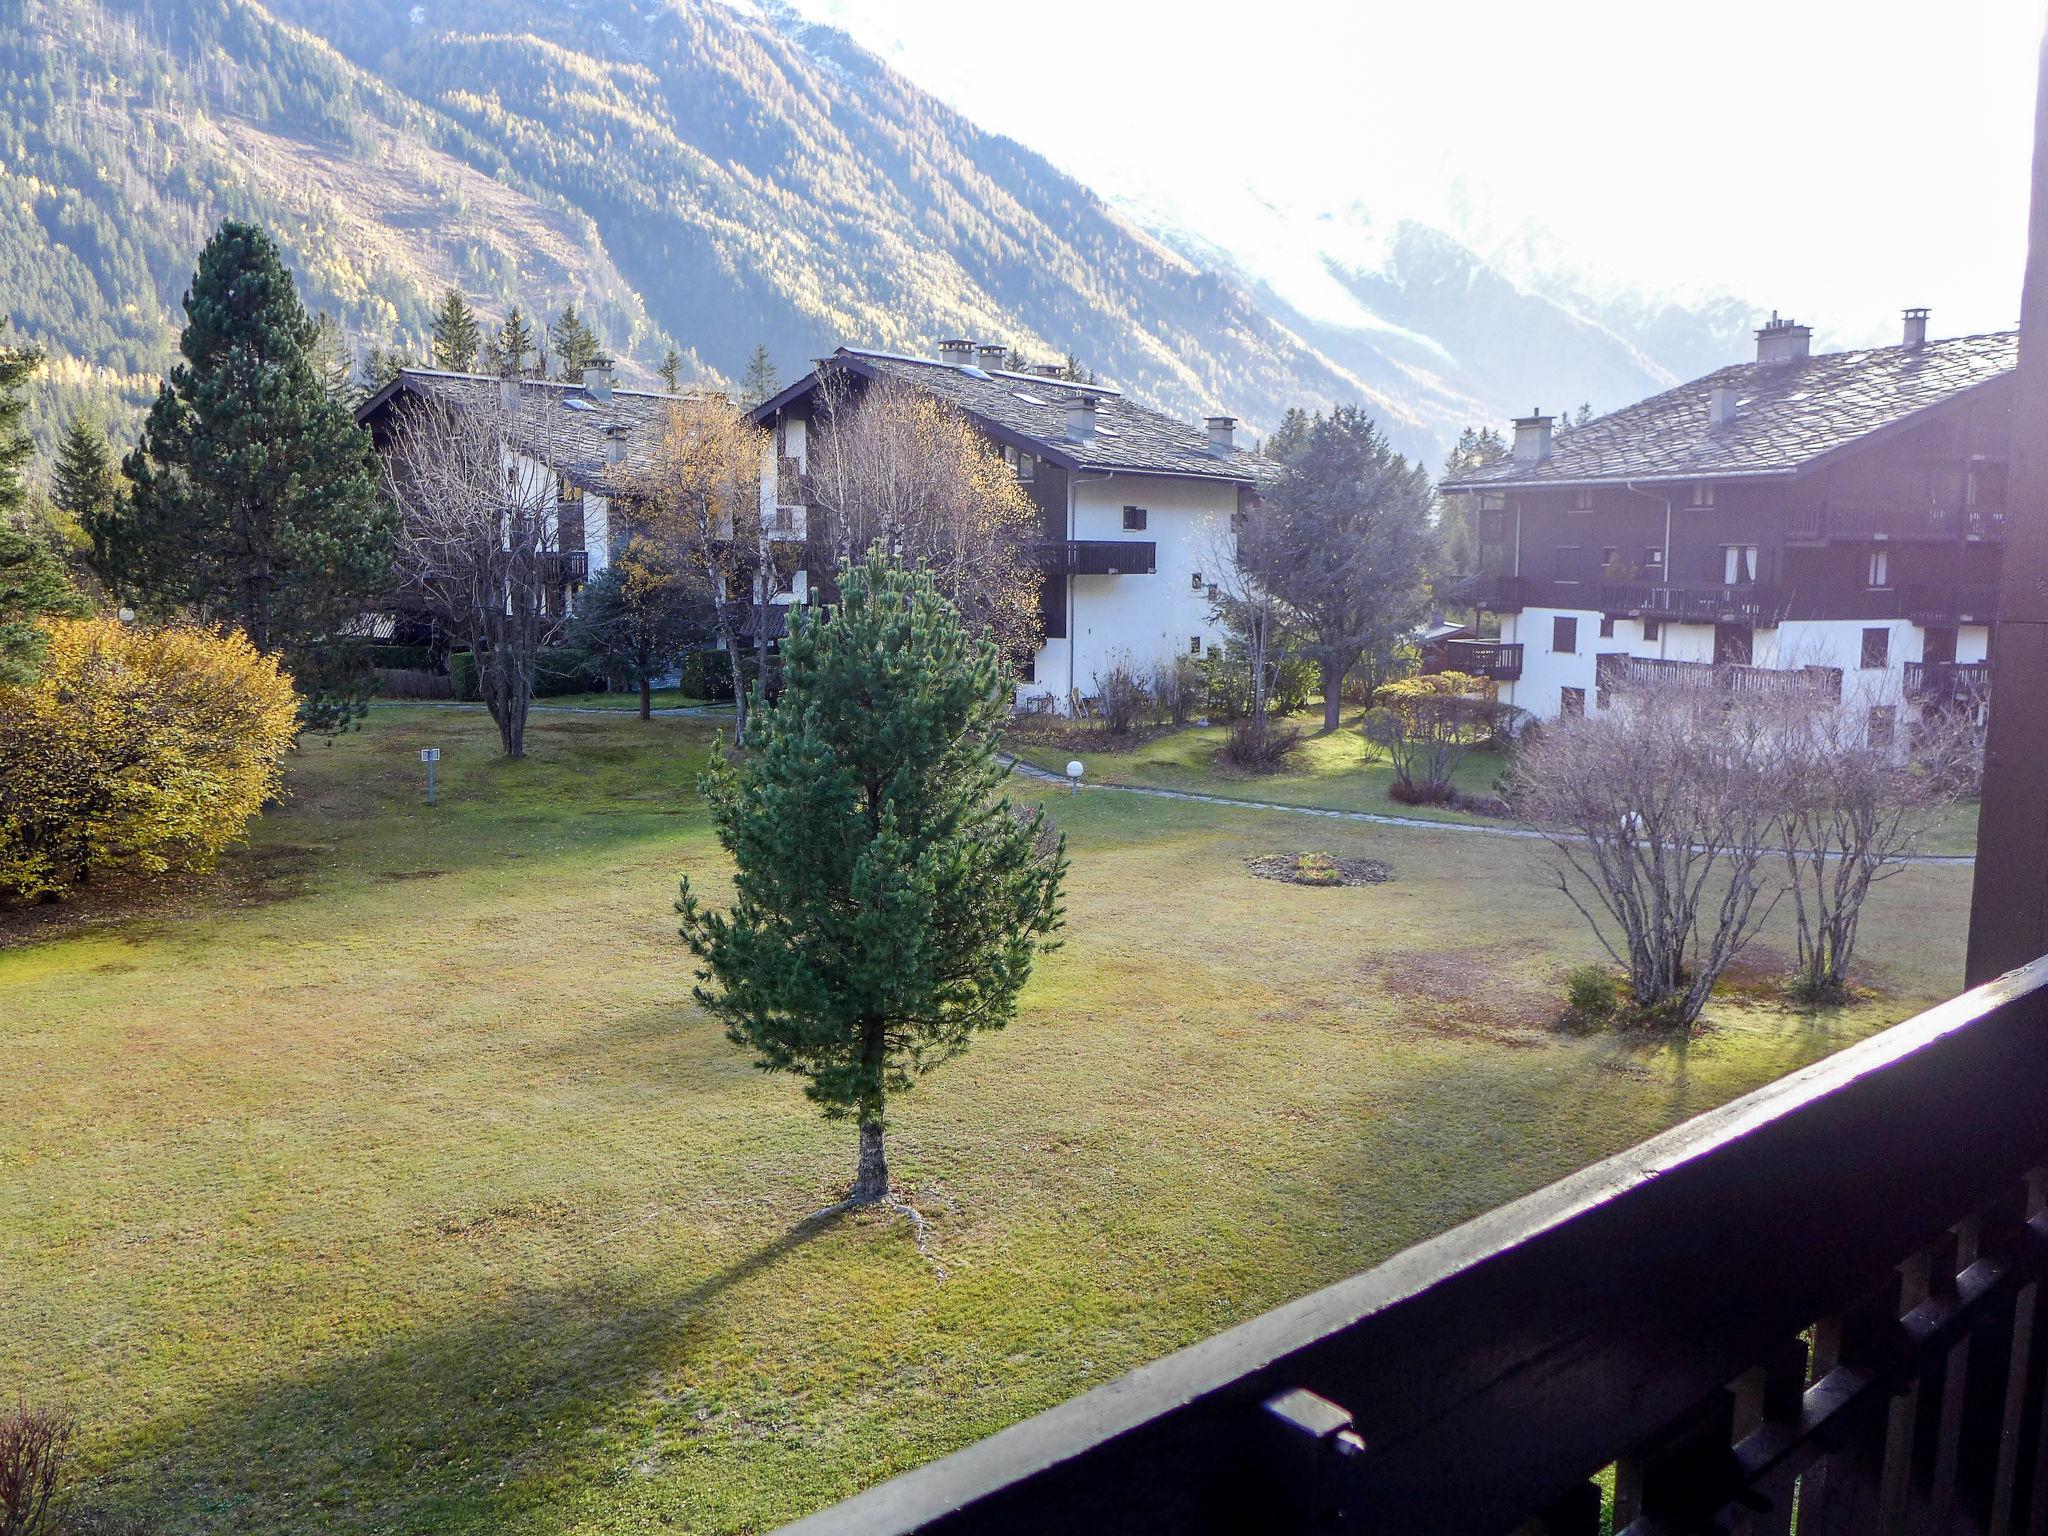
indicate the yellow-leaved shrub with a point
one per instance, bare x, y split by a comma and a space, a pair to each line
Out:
135, 748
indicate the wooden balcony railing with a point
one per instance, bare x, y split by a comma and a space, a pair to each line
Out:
1742, 603
1498, 592
565, 567
1948, 682
1484, 658
1617, 670
1097, 557
1971, 603
1820, 1306
1904, 524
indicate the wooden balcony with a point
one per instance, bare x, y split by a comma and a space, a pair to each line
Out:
1948, 682
565, 567
1742, 603
1818, 1308
1096, 557
1484, 658
1497, 592
1614, 670
1970, 603
1932, 525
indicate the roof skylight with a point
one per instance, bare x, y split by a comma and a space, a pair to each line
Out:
1029, 398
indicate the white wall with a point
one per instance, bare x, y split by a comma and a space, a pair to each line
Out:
1139, 619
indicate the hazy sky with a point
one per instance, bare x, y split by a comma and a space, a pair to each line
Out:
1835, 160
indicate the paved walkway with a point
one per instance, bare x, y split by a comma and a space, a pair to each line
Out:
1375, 818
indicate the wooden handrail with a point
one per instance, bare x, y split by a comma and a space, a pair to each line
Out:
1711, 1313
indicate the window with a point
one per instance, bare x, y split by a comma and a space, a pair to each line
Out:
1879, 573
1023, 464
1610, 558
1582, 501
1197, 586
1653, 561
1134, 518
1564, 636
1877, 648
1028, 673
1569, 557
1571, 703
1703, 495
1606, 628
1652, 629
1884, 723
1738, 565
1194, 645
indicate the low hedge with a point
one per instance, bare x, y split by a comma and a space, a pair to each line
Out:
401, 658
558, 671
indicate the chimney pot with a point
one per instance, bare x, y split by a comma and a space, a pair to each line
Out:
1044, 370
615, 443
956, 352
1222, 435
1081, 418
597, 380
1721, 404
991, 357
1916, 328
508, 392
1532, 437
1783, 341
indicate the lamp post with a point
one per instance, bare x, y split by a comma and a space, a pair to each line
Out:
1074, 777
430, 756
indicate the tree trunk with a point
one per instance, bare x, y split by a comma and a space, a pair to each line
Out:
739, 694
646, 697
871, 1183
1333, 695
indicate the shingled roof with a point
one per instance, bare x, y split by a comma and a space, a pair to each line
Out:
1788, 416
1029, 412
558, 422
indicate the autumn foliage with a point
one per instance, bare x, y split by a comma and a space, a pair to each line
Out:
136, 749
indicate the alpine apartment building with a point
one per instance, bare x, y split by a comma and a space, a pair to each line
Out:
1842, 511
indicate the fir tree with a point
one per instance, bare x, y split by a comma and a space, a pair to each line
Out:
17, 366
889, 902
457, 337
33, 586
333, 359
671, 369
761, 380
511, 346
254, 498
575, 343
383, 364
86, 485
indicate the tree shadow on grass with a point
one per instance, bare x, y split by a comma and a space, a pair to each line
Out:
478, 1423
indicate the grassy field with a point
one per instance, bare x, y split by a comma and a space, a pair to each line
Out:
1335, 772
389, 1181
623, 698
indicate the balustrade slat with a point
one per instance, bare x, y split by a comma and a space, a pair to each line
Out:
2022, 1373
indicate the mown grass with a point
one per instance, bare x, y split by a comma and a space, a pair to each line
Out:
390, 1181
623, 698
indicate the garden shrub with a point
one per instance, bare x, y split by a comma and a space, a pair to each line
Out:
1178, 685
1249, 750
400, 658
1121, 698
35, 1445
140, 749
1591, 996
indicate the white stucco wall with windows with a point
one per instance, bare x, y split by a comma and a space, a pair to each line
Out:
1139, 619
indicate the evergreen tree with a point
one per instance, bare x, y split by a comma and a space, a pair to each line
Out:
1457, 516
333, 359
254, 497
86, 485
17, 366
889, 902
33, 586
761, 380
671, 370
511, 346
575, 343
457, 337
383, 364
638, 617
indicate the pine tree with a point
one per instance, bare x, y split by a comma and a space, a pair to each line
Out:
383, 364
671, 369
33, 585
889, 902
86, 485
254, 497
761, 380
456, 335
511, 346
575, 343
17, 366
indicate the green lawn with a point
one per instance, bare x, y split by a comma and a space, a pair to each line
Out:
626, 698
389, 1180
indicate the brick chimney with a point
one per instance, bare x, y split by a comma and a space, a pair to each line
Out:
990, 357
1916, 328
1222, 435
1783, 341
615, 443
957, 352
1081, 418
597, 380
1532, 437
1721, 404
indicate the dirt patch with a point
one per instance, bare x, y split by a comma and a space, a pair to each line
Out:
1474, 993
1069, 735
410, 874
1318, 869
521, 1214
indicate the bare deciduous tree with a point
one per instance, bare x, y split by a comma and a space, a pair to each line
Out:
477, 542
35, 1444
1240, 551
1852, 804
700, 495
894, 466
1659, 810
